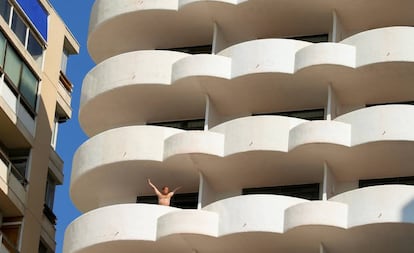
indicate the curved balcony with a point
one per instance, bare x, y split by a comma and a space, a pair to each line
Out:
165, 23
380, 123
113, 167
259, 150
276, 221
383, 50
379, 204
121, 90
267, 75
115, 228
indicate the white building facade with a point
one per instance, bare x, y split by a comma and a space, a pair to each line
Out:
288, 124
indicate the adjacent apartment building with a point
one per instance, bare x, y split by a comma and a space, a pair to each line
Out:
289, 125
35, 97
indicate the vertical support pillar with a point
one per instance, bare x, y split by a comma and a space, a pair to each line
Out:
329, 182
212, 116
219, 43
206, 194
337, 33
322, 248
332, 104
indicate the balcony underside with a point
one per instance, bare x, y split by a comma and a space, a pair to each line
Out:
363, 220
167, 23
252, 77
112, 167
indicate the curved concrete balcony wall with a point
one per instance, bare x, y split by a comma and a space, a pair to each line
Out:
188, 222
113, 227
379, 204
380, 123
267, 75
316, 213
263, 56
242, 153
112, 167
119, 91
203, 142
255, 213
320, 131
165, 23
325, 54
384, 49
279, 222
202, 65
257, 133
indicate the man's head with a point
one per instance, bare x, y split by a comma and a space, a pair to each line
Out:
165, 190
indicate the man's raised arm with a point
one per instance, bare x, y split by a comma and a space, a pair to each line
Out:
154, 187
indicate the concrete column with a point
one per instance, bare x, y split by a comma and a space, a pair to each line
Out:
329, 182
212, 116
206, 194
219, 43
338, 32
332, 104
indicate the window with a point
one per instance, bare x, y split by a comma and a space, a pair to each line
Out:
384, 181
60, 117
26, 34
195, 124
50, 191
35, 48
19, 28
42, 248
205, 49
50, 198
314, 114
2, 49
28, 86
64, 63
5, 10
19, 159
304, 191
393, 103
313, 38
10, 230
18, 76
13, 66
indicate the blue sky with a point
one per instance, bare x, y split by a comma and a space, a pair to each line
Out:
75, 13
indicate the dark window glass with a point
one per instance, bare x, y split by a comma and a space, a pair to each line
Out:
34, 47
197, 124
19, 159
5, 10
304, 191
13, 66
315, 114
384, 181
50, 191
205, 49
42, 247
19, 27
393, 103
28, 86
3, 42
312, 38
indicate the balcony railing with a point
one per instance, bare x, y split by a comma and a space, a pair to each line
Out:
12, 169
66, 83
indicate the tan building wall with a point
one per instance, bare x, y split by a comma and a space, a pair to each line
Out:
52, 99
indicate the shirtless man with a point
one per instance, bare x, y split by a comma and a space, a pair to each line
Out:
164, 197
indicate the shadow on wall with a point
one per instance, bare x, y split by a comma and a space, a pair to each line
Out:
408, 212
